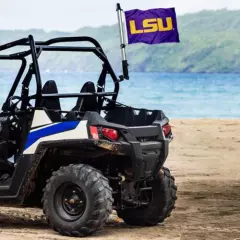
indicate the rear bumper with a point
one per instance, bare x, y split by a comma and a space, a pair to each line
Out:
147, 157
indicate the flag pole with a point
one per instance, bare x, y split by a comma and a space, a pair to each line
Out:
122, 44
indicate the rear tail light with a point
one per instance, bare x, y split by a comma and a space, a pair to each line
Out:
110, 133
94, 132
166, 129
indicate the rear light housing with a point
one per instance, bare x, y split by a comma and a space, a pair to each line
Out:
108, 133
94, 132
166, 129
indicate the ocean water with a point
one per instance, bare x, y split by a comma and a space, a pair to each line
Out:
178, 95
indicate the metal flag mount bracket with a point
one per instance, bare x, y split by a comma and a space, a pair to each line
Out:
122, 44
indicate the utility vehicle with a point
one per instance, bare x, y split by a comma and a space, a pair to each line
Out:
80, 163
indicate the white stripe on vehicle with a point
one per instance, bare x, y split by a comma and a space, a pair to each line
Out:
40, 118
80, 132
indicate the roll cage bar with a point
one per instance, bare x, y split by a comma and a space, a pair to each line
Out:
36, 48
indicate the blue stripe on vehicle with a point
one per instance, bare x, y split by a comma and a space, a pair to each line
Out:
50, 130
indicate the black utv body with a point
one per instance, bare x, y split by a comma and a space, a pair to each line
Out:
81, 164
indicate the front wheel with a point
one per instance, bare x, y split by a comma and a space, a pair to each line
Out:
77, 200
162, 203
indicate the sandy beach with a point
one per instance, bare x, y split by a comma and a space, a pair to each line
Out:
205, 160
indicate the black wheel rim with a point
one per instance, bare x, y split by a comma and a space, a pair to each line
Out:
70, 202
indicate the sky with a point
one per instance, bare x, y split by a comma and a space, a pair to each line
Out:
70, 15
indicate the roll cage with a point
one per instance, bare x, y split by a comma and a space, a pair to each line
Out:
35, 50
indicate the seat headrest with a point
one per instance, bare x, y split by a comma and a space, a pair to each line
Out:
88, 87
90, 102
50, 87
51, 103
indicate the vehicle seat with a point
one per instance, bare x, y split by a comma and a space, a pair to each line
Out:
85, 104
88, 103
51, 104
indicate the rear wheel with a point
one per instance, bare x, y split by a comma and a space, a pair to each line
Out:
77, 200
161, 205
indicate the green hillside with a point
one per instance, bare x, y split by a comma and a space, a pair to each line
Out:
210, 42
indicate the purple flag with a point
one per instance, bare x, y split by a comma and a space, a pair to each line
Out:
152, 26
